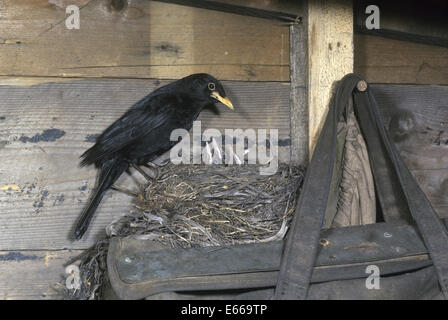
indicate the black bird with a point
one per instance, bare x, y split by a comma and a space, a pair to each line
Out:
143, 132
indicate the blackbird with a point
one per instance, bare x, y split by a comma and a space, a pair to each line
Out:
143, 133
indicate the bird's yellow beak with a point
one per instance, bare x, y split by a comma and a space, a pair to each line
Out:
225, 101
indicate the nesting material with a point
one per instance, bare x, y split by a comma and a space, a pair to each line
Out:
199, 205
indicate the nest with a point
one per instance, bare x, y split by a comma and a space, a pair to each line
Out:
198, 205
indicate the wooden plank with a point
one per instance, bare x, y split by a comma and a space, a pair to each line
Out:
330, 56
31, 275
416, 117
298, 34
382, 60
45, 127
139, 39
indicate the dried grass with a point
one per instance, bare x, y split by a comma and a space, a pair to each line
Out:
199, 205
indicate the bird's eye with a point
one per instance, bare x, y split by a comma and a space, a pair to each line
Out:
211, 86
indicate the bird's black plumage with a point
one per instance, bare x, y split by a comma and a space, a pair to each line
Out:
143, 132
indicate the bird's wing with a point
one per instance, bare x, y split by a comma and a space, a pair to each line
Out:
133, 125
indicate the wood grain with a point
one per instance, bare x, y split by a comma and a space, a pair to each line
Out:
416, 117
45, 127
382, 60
299, 93
32, 275
330, 56
141, 39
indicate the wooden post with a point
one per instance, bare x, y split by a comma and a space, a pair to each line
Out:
298, 36
330, 56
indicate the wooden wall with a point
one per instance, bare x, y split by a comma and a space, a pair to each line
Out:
139, 39
59, 88
418, 111
383, 60
416, 117
415, 112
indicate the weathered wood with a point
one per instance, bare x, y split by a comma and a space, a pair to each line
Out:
382, 60
32, 275
416, 117
45, 127
330, 56
139, 39
299, 92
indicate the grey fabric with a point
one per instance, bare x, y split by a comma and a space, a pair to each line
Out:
356, 203
418, 285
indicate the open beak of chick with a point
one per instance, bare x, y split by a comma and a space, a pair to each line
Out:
225, 101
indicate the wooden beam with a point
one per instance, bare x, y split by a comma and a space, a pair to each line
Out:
268, 10
298, 39
330, 56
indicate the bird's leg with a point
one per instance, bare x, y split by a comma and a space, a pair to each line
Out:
128, 171
143, 173
150, 165
164, 162
125, 190
154, 168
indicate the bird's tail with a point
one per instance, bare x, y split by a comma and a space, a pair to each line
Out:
110, 172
